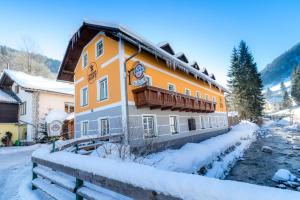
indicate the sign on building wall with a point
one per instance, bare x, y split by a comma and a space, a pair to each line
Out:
92, 72
55, 128
138, 72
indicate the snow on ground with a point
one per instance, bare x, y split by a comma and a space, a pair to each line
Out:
17, 149
181, 185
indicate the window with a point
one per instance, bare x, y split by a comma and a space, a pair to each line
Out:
210, 122
188, 92
214, 99
148, 124
104, 125
102, 89
198, 95
84, 60
173, 124
69, 107
207, 97
99, 48
148, 80
22, 108
84, 96
84, 127
17, 88
202, 122
171, 87
192, 124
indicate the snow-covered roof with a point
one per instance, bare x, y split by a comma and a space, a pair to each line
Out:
130, 36
70, 116
276, 99
38, 83
5, 97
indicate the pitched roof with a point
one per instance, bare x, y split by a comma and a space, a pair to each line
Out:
90, 29
35, 82
195, 65
167, 47
6, 97
181, 56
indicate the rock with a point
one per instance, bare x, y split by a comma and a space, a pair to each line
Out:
267, 149
283, 175
282, 186
292, 184
202, 171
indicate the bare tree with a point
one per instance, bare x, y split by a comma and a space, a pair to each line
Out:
29, 47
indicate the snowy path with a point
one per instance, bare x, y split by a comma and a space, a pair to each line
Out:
15, 176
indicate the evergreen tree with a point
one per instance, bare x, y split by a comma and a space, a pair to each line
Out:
245, 84
295, 89
282, 88
287, 101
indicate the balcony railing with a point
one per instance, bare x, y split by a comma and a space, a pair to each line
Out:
153, 97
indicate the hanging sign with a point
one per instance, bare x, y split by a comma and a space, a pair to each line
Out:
92, 72
138, 72
55, 128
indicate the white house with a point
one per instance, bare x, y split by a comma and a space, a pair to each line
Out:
38, 97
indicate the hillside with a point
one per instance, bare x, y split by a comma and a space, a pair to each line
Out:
280, 68
35, 64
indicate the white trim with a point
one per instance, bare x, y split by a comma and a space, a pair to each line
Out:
155, 124
174, 86
198, 92
110, 61
79, 80
173, 75
206, 97
82, 60
177, 124
99, 125
81, 97
112, 105
96, 43
132, 103
81, 127
187, 89
98, 88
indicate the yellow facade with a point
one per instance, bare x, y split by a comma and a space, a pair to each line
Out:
18, 132
109, 65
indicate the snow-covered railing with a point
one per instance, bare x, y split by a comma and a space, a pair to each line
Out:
135, 181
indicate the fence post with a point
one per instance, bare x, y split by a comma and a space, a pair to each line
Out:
34, 175
79, 183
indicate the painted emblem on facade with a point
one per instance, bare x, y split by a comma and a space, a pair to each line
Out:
138, 72
92, 72
55, 128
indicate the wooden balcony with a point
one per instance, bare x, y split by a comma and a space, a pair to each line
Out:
153, 97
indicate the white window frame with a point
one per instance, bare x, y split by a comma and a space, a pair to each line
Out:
214, 99
155, 125
202, 121
81, 127
87, 59
23, 108
177, 124
198, 95
185, 90
81, 96
207, 97
150, 79
100, 125
96, 44
98, 88
174, 86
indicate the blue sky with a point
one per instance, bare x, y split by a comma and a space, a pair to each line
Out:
205, 30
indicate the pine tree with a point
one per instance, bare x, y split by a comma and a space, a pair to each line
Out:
287, 101
245, 84
282, 88
295, 89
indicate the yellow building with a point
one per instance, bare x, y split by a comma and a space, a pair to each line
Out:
125, 84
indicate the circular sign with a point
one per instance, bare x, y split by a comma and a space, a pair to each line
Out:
92, 72
55, 128
139, 70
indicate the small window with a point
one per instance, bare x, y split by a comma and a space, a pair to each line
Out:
99, 48
84, 127
192, 124
198, 95
188, 92
210, 122
148, 80
17, 88
22, 108
84, 97
148, 124
214, 99
102, 89
84, 60
173, 124
207, 97
202, 122
171, 87
69, 107
104, 124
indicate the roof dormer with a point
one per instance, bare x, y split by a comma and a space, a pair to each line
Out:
212, 76
181, 56
204, 71
195, 65
167, 47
